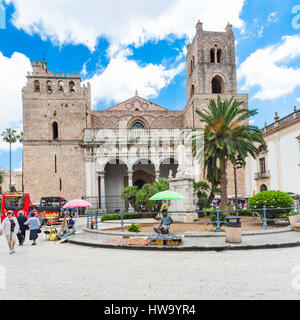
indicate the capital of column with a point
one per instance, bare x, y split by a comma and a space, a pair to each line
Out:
130, 172
157, 174
101, 174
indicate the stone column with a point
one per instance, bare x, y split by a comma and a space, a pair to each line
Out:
130, 177
157, 174
102, 190
130, 184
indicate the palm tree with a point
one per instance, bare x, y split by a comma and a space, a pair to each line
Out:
1, 176
10, 136
227, 133
20, 138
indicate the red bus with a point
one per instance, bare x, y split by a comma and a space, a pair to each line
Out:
49, 209
15, 202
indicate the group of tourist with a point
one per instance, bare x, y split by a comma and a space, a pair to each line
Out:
13, 228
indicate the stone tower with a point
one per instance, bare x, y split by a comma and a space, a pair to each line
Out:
211, 71
211, 64
56, 110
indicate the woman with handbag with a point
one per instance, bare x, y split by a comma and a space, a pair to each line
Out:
10, 228
34, 227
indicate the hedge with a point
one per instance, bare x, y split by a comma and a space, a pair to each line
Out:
128, 216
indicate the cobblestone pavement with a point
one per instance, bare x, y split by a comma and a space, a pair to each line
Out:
63, 271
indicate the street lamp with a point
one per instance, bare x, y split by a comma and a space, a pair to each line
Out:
237, 164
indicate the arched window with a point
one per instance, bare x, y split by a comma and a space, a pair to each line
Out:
212, 55
72, 86
138, 125
219, 55
36, 86
217, 85
192, 90
49, 86
55, 130
263, 188
60, 86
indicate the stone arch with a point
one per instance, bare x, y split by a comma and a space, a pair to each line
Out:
217, 84
212, 55
72, 87
145, 161
60, 86
49, 86
219, 55
141, 120
212, 51
37, 87
113, 160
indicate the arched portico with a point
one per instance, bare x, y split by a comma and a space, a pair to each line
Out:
111, 183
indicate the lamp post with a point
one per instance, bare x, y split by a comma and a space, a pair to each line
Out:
237, 164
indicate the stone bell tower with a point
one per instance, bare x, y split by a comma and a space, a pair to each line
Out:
211, 71
56, 110
211, 67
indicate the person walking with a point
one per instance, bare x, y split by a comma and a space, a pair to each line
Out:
22, 234
10, 228
34, 226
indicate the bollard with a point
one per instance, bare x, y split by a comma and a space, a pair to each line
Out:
122, 222
97, 221
218, 221
87, 220
265, 218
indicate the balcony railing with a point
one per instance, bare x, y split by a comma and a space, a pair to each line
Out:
262, 175
130, 135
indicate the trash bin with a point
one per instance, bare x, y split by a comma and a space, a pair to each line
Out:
233, 230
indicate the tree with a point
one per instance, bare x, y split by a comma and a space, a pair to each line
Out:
10, 136
139, 198
20, 138
227, 133
1, 176
205, 193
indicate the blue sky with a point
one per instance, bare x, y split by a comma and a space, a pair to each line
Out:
122, 46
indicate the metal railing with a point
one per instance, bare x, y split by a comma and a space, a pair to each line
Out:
95, 218
262, 175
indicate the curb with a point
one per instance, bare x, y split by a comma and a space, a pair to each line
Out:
191, 235
227, 247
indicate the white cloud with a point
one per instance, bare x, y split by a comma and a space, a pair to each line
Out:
123, 76
298, 99
272, 17
266, 68
12, 79
121, 22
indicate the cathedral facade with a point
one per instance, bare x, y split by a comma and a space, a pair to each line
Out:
73, 151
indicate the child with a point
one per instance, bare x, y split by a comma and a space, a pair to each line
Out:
166, 221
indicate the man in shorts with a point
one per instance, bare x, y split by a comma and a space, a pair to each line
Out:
166, 221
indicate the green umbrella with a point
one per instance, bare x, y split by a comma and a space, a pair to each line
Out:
167, 195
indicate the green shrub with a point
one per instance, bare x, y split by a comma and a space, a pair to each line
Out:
247, 213
274, 201
127, 216
134, 228
222, 217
